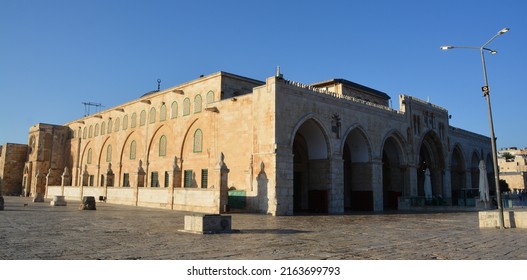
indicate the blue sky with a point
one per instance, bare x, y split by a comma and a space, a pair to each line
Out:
54, 55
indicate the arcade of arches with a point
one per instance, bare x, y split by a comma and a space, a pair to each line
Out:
374, 182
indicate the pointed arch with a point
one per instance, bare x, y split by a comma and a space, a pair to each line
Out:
393, 169
152, 115
431, 157
457, 171
317, 135
357, 156
197, 103
198, 141
173, 110
210, 97
163, 112
186, 106
311, 166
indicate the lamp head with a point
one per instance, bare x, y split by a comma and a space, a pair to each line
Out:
504, 30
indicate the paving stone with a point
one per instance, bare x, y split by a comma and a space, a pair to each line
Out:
41, 231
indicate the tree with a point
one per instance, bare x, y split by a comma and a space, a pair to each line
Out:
504, 186
508, 156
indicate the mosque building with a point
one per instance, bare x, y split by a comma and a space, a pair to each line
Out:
277, 146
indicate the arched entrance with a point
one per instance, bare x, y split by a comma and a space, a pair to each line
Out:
393, 173
431, 158
311, 169
474, 170
457, 172
358, 193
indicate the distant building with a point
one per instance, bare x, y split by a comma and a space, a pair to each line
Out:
513, 169
12, 159
278, 147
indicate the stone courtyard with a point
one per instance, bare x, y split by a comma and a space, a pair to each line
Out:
31, 230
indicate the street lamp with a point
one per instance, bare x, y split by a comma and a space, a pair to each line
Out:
486, 93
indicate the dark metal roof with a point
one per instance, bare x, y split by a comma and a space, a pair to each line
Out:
150, 92
353, 85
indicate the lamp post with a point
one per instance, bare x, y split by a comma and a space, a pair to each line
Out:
486, 93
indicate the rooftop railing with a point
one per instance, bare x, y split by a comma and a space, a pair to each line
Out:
341, 96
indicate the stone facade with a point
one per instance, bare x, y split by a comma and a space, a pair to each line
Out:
514, 170
289, 147
12, 159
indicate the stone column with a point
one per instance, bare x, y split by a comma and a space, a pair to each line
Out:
48, 182
468, 179
336, 191
39, 182
59, 200
447, 183
413, 180
221, 181
84, 181
139, 181
176, 179
110, 178
281, 193
376, 185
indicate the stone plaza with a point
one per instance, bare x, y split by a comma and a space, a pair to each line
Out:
30, 230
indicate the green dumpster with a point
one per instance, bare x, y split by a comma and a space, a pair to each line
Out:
237, 199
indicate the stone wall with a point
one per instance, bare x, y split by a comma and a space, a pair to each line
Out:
12, 160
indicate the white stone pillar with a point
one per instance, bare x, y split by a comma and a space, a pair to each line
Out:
447, 183
376, 185
336, 191
221, 182
413, 180
281, 195
468, 179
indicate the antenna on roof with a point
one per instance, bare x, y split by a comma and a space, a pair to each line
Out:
278, 74
158, 84
88, 105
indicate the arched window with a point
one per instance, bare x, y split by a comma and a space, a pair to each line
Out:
197, 103
210, 97
152, 115
173, 110
132, 150
117, 124
90, 132
79, 134
125, 122
109, 153
97, 130
84, 133
109, 126
186, 107
163, 113
142, 118
88, 157
134, 120
103, 128
198, 141
163, 146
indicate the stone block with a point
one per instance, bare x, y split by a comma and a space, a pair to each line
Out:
208, 224
58, 200
88, 203
1, 203
39, 197
511, 219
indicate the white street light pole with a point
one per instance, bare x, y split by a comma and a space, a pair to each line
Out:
486, 92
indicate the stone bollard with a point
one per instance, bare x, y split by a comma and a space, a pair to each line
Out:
1, 203
39, 197
88, 203
58, 200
